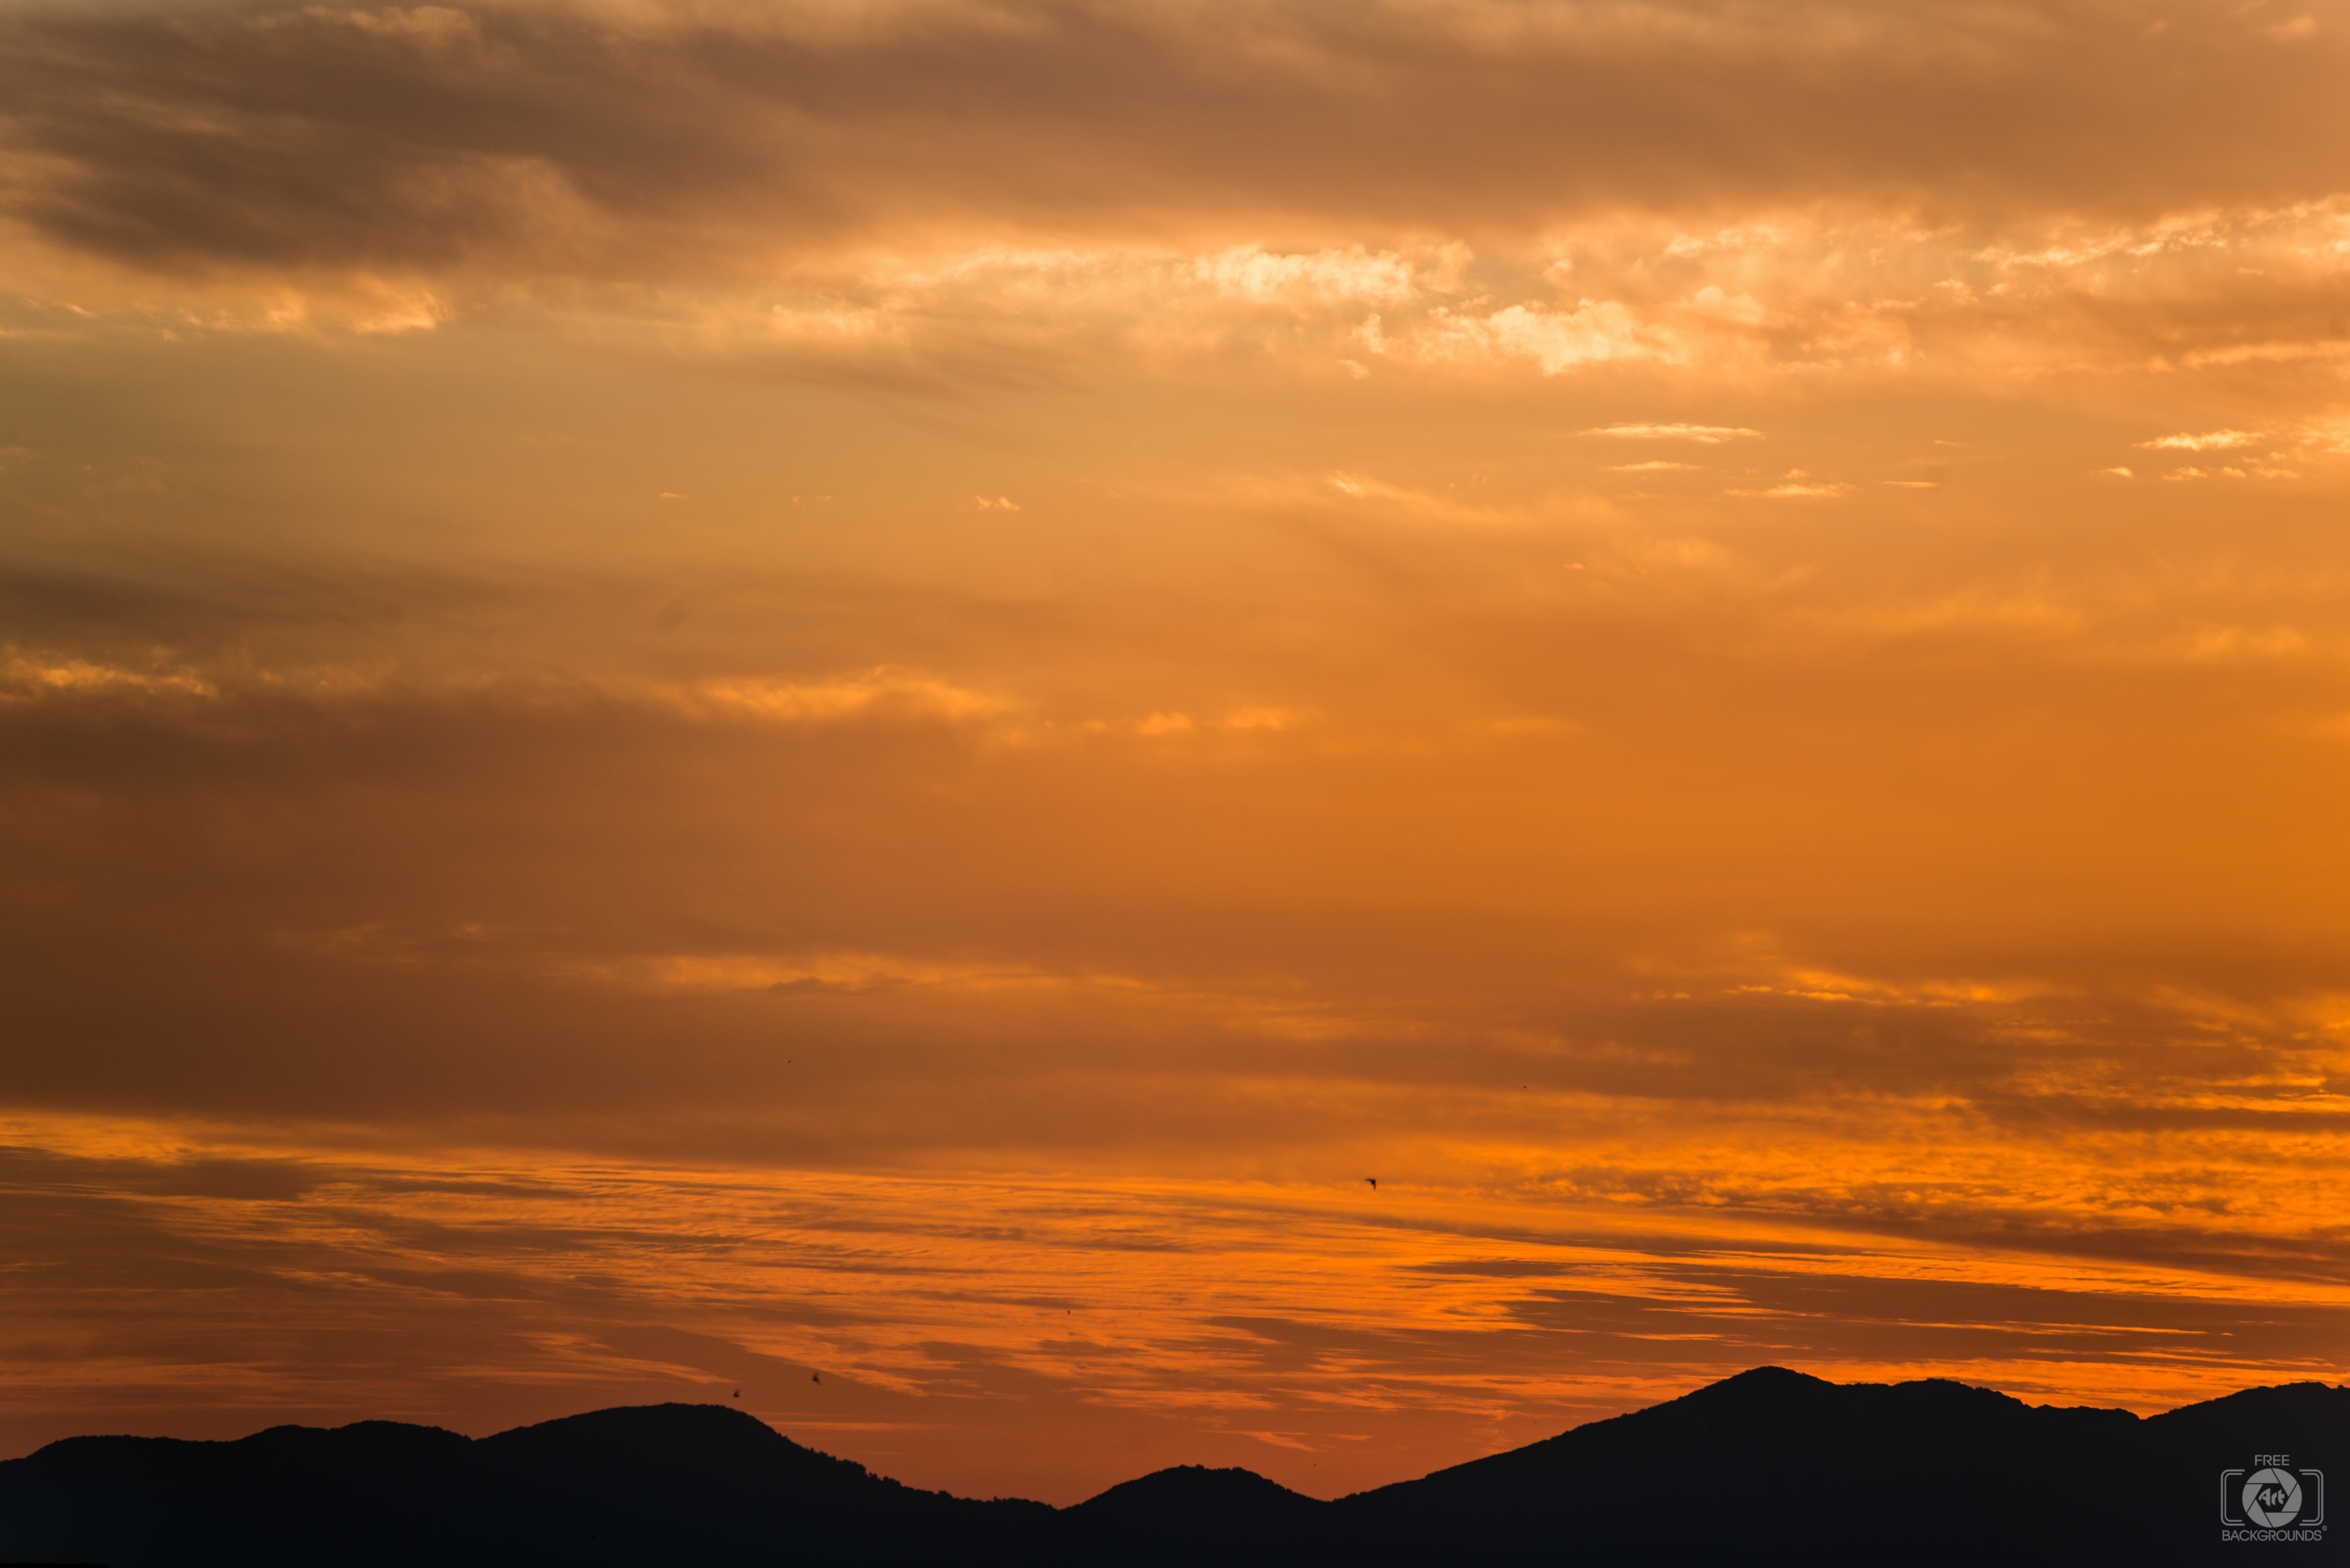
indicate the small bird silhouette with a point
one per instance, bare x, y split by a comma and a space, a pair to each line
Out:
1373, 1181
738, 1393
815, 1377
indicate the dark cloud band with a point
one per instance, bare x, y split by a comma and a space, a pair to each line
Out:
533, 142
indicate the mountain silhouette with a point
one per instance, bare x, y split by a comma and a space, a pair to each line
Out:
648, 1484
1768, 1466
1193, 1514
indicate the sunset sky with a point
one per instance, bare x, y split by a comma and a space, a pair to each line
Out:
702, 693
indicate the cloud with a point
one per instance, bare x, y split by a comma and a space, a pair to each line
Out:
1709, 435
1558, 340
946, 307
1447, 508
1249, 272
62, 675
1267, 719
2210, 441
1795, 491
1796, 485
1857, 293
666, 140
879, 691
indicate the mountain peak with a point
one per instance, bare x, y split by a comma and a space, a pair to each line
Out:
1189, 1485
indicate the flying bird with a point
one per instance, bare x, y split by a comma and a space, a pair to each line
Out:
815, 1377
1373, 1181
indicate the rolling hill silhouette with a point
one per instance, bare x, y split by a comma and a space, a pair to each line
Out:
1770, 1465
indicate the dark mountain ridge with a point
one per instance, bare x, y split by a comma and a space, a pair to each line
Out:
1769, 1464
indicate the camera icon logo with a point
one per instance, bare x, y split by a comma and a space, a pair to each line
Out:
2274, 1496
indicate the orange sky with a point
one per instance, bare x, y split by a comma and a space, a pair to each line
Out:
691, 693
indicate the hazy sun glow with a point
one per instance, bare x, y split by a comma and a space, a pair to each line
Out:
700, 693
